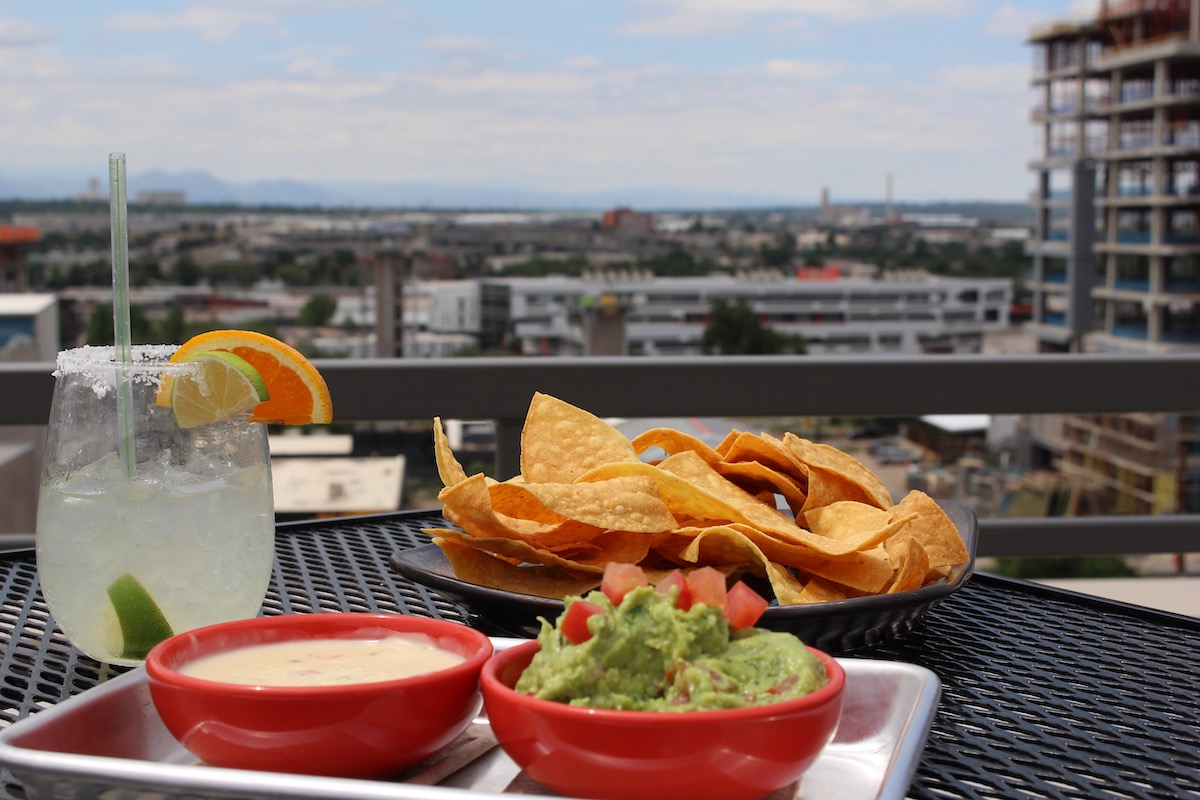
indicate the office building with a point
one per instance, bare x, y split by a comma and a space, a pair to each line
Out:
631, 313
668, 316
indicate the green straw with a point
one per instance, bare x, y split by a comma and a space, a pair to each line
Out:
120, 270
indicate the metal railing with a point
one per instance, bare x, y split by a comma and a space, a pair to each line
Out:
500, 389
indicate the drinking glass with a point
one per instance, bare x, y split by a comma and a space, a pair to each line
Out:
143, 528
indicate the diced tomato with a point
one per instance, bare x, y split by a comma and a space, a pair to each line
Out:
707, 585
621, 579
784, 685
743, 606
574, 624
675, 579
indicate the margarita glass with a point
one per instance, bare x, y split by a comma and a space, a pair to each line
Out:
144, 527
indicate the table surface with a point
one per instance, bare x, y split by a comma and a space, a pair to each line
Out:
1045, 693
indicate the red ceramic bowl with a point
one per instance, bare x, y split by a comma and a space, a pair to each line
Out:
350, 730
647, 755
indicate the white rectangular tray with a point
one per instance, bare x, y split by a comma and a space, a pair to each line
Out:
109, 742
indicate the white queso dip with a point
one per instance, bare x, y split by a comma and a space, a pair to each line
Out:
324, 662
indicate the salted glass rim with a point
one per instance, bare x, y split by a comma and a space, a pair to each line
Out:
97, 365
141, 357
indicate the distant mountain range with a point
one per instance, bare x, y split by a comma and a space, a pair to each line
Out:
204, 188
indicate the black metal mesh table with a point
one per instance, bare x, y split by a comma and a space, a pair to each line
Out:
1046, 694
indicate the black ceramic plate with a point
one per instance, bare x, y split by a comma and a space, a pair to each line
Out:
836, 627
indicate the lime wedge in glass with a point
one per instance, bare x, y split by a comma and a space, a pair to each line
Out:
142, 622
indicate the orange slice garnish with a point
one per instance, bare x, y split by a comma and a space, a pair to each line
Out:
298, 394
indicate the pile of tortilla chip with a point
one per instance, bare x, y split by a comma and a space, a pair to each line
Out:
586, 497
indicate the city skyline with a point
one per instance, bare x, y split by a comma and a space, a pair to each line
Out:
771, 100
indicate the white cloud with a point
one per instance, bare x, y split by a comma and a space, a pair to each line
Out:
213, 23
1084, 9
582, 63
1006, 79
804, 70
689, 17
283, 7
1012, 21
456, 45
17, 33
502, 84
683, 22
314, 67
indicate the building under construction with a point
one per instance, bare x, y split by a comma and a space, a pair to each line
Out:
1116, 250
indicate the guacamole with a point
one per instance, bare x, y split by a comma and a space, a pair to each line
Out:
646, 654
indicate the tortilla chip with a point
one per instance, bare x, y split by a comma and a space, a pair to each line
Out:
734, 544
911, 563
673, 441
854, 525
819, 590
627, 503
560, 442
516, 551
723, 545
468, 504
449, 470
844, 518
766, 449
693, 469
515, 500
620, 546
551, 537
933, 529
860, 483
726, 546
684, 498
727, 442
756, 477
787, 587
865, 571
482, 569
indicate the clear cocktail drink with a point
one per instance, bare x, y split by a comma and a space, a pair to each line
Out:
141, 520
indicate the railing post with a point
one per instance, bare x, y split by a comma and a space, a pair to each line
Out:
508, 447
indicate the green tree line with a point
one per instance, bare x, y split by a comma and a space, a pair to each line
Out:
174, 328
337, 268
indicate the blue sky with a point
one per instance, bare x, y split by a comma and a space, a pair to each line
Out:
766, 98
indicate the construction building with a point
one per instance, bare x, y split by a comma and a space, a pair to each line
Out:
1116, 248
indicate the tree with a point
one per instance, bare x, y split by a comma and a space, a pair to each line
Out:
735, 330
173, 328
317, 311
186, 271
294, 273
100, 326
781, 254
674, 264
144, 271
100, 329
241, 273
